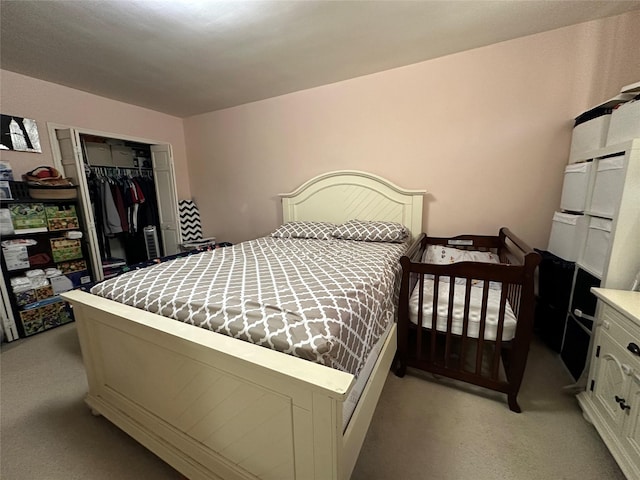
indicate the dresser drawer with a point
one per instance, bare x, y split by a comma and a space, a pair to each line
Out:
623, 330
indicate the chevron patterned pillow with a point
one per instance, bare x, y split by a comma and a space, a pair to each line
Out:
372, 231
317, 230
190, 225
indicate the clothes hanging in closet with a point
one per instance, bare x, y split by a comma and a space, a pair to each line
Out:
123, 205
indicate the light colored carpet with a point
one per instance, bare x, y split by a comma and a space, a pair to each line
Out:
422, 429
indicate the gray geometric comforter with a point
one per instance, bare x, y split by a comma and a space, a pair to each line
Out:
327, 301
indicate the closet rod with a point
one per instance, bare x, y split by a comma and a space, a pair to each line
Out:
120, 168
103, 169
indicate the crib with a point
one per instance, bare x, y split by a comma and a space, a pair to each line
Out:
466, 309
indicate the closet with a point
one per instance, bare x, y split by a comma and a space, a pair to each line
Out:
127, 193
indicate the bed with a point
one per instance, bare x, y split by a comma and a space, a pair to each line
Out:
466, 309
216, 407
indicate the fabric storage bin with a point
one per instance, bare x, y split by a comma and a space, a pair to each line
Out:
596, 249
549, 324
555, 278
98, 154
568, 232
583, 299
575, 347
607, 187
625, 123
122, 156
574, 188
589, 135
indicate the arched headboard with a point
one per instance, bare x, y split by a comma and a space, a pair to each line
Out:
351, 194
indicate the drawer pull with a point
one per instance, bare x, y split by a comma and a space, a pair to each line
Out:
633, 348
620, 401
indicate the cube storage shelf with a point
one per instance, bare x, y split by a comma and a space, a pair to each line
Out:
599, 230
40, 242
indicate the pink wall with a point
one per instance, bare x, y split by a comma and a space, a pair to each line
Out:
47, 102
485, 132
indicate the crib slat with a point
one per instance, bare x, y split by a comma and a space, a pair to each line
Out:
465, 323
483, 321
448, 337
420, 315
496, 354
434, 318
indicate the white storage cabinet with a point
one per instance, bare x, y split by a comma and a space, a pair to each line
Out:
611, 401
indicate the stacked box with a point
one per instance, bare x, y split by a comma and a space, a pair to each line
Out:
568, 232
72, 266
607, 187
28, 217
26, 297
44, 314
625, 123
61, 217
44, 292
33, 295
31, 321
589, 135
64, 249
575, 186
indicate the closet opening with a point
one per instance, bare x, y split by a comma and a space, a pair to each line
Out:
127, 192
122, 192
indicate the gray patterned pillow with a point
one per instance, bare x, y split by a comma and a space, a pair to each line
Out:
373, 231
318, 230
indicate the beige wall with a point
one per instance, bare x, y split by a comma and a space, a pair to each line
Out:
486, 132
47, 102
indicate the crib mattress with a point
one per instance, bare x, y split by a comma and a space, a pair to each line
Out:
475, 305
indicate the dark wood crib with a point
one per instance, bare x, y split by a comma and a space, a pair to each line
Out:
470, 351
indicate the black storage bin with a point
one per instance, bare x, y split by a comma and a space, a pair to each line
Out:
555, 277
583, 299
550, 323
575, 347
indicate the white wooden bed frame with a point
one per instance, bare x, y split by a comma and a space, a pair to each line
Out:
215, 407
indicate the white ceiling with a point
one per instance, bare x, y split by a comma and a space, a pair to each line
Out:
188, 57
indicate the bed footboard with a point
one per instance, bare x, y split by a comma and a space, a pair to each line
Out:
470, 321
215, 407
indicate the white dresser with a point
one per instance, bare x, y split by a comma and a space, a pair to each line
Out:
611, 401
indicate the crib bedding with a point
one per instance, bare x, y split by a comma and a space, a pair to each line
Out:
327, 301
475, 308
